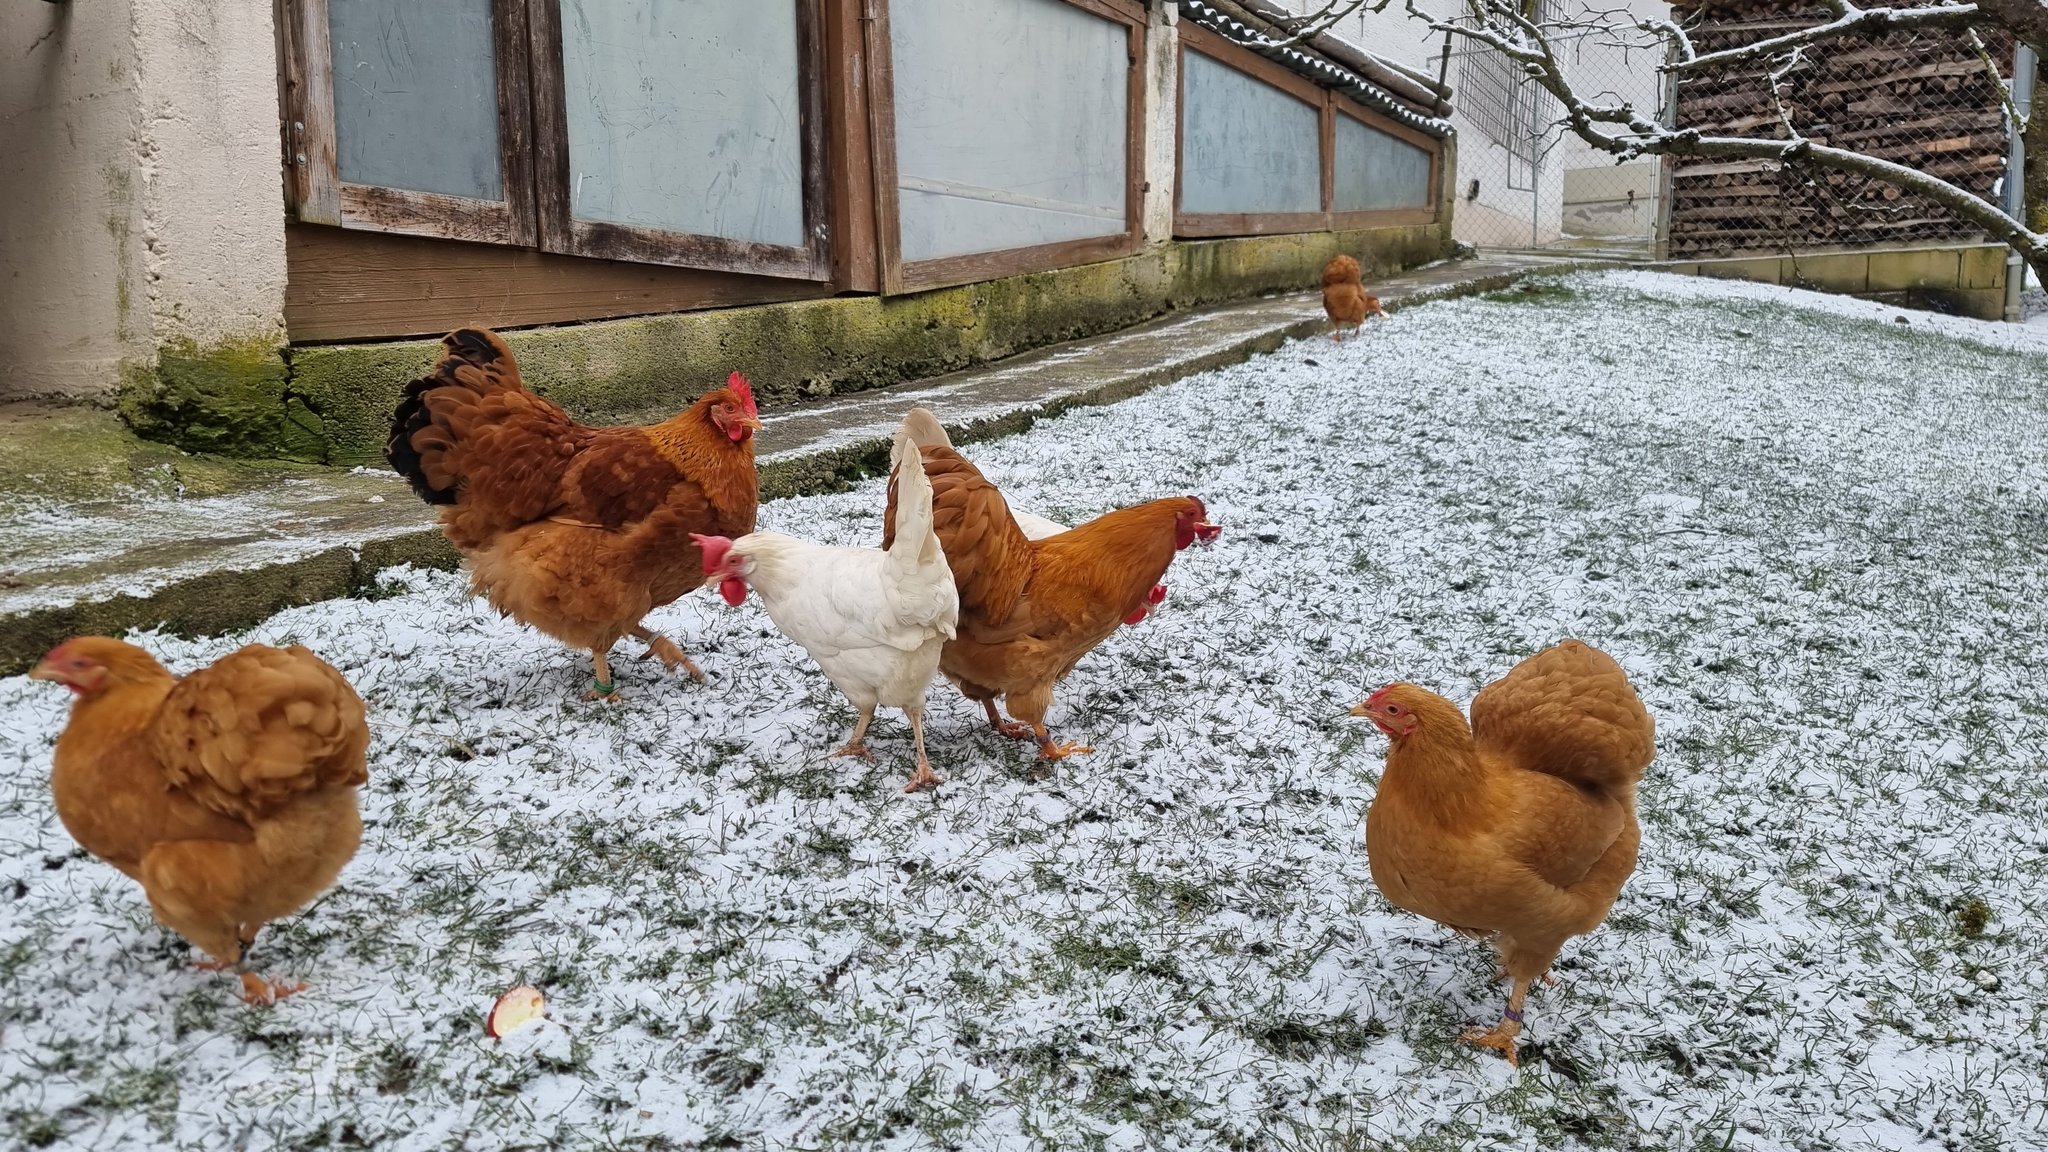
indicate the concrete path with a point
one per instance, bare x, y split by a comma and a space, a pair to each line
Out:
214, 563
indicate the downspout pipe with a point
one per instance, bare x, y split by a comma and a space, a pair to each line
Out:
2016, 175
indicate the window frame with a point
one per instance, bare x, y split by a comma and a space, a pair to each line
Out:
561, 232
898, 276
1329, 105
1382, 217
320, 196
533, 151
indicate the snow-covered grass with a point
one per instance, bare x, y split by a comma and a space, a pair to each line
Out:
1814, 536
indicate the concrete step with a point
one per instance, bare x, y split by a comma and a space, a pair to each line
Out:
254, 539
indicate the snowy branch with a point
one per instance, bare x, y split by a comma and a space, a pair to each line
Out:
1619, 129
1308, 25
1849, 21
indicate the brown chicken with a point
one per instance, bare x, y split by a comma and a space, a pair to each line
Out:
1521, 826
229, 795
577, 531
1345, 299
1030, 609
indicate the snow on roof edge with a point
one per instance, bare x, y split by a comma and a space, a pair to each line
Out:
1321, 71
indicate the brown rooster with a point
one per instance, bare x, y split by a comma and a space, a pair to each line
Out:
1030, 609
1345, 299
229, 795
577, 531
1520, 826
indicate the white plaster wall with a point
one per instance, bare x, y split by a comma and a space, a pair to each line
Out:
140, 201
72, 307
208, 155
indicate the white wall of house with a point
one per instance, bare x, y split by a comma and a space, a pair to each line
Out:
1570, 190
140, 184
72, 307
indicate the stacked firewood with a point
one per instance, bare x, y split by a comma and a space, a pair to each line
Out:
1923, 99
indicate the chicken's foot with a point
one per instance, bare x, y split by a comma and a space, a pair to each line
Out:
857, 744
257, 990
667, 651
1048, 749
1501, 1037
1011, 728
602, 687
924, 777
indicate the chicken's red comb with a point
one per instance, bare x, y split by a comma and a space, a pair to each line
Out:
738, 386
714, 549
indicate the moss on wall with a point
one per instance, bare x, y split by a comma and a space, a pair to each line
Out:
336, 405
230, 398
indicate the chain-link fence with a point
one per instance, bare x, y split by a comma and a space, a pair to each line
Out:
1524, 182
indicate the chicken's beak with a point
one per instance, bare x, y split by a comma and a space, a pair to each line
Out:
750, 423
1206, 533
43, 671
1360, 710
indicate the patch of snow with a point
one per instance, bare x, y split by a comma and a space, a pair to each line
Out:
1819, 549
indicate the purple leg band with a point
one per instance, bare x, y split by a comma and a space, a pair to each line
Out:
1513, 1014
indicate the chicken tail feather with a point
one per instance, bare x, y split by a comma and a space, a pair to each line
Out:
1568, 711
923, 429
914, 539
260, 727
474, 359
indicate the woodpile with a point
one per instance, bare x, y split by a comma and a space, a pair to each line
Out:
1922, 99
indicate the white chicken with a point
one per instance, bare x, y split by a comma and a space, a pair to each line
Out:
874, 620
925, 429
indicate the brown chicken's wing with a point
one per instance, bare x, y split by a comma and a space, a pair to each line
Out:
259, 728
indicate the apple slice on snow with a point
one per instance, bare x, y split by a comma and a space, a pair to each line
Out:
515, 1010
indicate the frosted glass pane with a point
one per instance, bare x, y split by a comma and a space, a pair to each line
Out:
1375, 170
1246, 146
684, 115
416, 95
1010, 122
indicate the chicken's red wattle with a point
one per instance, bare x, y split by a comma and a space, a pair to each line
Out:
733, 589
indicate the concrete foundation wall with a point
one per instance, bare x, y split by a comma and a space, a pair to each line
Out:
647, 369
1963, 281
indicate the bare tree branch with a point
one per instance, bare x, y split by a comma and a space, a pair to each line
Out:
2014, 122
2025, 19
